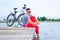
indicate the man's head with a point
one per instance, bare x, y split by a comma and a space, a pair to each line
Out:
28, 10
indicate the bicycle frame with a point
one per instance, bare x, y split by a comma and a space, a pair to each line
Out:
15, 19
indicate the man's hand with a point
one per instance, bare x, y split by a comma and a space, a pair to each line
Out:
29, 21
35, 23
38, 22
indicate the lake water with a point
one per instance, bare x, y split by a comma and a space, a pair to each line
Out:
48, 30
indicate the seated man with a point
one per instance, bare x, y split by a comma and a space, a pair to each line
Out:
30, 21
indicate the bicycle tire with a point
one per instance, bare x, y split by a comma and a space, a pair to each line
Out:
8, 19
19, 19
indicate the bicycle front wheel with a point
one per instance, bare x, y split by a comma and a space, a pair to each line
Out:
10, 20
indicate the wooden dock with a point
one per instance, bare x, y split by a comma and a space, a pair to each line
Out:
12, 33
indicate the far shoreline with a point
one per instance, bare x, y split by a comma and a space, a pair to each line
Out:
49, 21
39, 21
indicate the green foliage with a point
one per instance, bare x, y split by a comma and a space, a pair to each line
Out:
46, 19
42, 18
39, 19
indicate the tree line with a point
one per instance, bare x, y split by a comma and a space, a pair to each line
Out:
46, 19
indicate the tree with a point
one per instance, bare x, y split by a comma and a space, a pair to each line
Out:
43, 18
38, 18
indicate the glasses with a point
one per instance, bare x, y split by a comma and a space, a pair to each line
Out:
29, 11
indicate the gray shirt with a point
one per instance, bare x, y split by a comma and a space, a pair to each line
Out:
25, 19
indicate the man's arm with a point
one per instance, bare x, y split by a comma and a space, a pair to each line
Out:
29, 21
37, 21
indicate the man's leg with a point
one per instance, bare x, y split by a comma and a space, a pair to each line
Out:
36, 29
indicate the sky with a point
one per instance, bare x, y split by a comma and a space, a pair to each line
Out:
47, 8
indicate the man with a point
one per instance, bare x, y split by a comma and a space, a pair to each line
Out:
30, 21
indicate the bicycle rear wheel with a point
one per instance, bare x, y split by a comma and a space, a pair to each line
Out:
10, 20
20, 19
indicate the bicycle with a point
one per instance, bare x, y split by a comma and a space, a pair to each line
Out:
10, 21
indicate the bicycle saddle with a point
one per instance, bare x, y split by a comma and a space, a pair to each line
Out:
15, 8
